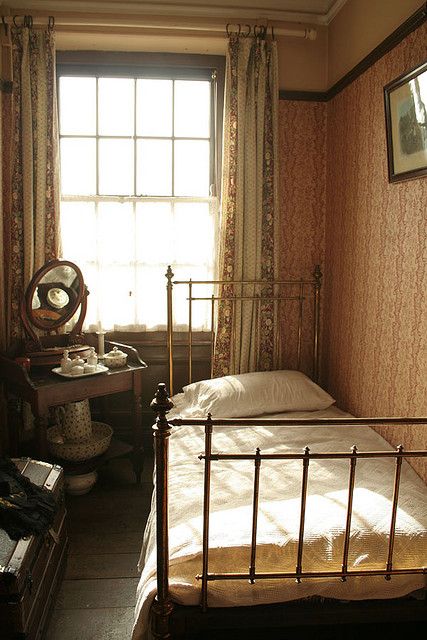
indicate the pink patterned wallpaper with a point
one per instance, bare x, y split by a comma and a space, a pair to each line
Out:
375, 321
302, 185
303, 208
339, 209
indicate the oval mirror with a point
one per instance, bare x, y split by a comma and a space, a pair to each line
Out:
54, 295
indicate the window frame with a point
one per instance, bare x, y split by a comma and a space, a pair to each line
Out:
157, 65
176, 66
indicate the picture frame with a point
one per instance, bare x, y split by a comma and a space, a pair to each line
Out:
406, 125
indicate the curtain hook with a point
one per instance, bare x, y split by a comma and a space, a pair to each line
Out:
227, 29
5, 25
51, 23
248, 32
14, 22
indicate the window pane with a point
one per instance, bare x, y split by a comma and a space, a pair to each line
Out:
150, 296
116, 296
192, 220
154, 167
116, 166
154, 108
150, 217
192, 108
191, 168
90, 277
116, 232
78, 166
201, 310
116, 106
76, 216
77, 106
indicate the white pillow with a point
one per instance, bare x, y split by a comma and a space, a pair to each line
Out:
251, 394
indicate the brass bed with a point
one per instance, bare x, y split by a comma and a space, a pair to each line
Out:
169, 619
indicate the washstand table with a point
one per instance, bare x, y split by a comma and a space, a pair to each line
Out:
43, 389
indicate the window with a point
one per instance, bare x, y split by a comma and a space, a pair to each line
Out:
138, 186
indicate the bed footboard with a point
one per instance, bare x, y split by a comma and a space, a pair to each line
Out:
163, 606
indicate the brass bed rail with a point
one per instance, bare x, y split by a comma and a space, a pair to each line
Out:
162, 404
281, 291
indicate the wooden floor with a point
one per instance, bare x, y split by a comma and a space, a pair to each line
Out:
105, 526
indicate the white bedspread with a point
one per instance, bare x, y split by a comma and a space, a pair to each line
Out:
278, 522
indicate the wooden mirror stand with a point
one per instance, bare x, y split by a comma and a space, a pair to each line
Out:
55, 296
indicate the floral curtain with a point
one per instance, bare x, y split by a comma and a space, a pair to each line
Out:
31, 193
246, 335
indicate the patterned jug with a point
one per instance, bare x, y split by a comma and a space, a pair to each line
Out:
75, 421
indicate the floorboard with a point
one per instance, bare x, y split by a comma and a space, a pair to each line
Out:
97, 597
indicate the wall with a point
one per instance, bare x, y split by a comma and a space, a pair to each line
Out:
302, 160
376, 257
302, 63
359, 27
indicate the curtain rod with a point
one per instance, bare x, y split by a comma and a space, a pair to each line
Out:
171, 24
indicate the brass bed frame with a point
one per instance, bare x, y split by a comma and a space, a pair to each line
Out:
304, 292
162, 608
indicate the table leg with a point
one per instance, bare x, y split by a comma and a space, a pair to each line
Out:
41, 422
138, 452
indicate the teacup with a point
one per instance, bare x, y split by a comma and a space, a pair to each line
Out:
75, 421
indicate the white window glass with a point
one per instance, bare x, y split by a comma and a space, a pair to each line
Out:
150, 295
78, 106
201, 309
116, 232
116, 106
154, 167
193, 219
150, 218
116, 287
76, 216
192, 108
116, 166
191, 176
78, 166
154, 107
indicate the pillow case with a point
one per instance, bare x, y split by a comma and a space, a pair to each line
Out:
251, 394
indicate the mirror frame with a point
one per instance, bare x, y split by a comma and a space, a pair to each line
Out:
29, 320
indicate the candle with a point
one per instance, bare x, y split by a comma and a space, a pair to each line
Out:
101, 346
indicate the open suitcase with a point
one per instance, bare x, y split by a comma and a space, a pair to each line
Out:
31, 569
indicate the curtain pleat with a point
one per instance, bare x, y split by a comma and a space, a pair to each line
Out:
246, 335
34, 212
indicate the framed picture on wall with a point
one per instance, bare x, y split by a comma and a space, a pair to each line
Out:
406, 125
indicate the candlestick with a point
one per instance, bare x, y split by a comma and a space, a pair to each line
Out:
101, 345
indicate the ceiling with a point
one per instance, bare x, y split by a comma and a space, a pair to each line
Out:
312, 11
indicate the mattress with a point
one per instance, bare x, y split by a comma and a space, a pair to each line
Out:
278, 520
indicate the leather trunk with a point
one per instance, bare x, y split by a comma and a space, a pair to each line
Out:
31, 569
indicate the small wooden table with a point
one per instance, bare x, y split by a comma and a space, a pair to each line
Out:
43, 389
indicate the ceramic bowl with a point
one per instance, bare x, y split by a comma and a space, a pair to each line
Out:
115, 359
80, 484
95, 446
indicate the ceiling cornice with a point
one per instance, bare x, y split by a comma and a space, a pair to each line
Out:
226, 12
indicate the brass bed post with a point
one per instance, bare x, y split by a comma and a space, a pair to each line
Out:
190, 332
169, 275
316, 352
162, 606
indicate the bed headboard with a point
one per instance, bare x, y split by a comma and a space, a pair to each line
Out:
300, 319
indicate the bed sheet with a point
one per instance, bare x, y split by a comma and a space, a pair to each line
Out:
278, 520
